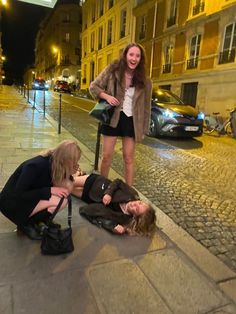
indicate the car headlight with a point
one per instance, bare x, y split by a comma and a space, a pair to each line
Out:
201, 116
46, 85
171, 114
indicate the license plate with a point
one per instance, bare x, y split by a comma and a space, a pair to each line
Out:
191, 128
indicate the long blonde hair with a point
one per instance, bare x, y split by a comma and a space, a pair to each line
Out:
67, 151
144, 224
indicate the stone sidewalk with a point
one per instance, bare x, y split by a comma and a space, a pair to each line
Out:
171, 273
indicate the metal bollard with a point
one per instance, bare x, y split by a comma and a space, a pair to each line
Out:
97, 147
59, 116
44, 104
34, 99
28, 94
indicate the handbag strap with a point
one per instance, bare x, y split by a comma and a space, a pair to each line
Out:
58, 207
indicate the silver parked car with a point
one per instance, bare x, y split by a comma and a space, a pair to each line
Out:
171, 117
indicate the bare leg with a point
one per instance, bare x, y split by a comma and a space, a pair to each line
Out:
109, 143
79, 182
128, 144
50, 205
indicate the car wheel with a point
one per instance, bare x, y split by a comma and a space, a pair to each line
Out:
153, 127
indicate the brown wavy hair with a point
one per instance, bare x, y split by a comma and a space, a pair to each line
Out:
120, 66
67, 150
144, 225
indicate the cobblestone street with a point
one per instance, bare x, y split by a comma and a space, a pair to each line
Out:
193, 181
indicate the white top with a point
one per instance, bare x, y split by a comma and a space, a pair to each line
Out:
128, 100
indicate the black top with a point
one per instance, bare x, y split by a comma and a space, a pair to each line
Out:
30, 183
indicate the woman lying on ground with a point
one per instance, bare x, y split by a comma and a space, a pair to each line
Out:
33, 191
114, 205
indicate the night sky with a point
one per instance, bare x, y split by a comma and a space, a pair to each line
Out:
20, 23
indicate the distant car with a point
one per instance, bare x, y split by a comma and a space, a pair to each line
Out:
62, 86
40, 84
171, 117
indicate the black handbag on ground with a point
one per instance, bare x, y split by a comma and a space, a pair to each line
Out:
103, 111
56, 240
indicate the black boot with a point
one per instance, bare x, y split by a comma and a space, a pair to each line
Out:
41, 219
31, 231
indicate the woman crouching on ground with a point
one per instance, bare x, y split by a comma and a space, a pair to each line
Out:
114, 205
33, 191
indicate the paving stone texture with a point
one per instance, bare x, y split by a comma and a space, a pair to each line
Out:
106, 273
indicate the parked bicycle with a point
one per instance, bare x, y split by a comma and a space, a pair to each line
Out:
215, 123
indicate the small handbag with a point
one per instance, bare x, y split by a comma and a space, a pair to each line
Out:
102, 111
56, 240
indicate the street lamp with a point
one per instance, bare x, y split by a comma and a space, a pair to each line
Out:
56, 53
3, 3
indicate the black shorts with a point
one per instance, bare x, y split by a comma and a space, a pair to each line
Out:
87, 186
124, 128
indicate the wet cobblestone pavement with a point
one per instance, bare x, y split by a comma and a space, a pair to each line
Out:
192, 181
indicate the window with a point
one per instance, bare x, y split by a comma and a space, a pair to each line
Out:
101, 7
142, 27
198, 7
93, 9
66, 17
172, 13
229, 46
168, 59
110, 4
67, 37
109, 32
85, 46
123, 23
92, 42
194, 52
100, 34
84, 74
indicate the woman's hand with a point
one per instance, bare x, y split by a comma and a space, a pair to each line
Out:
110, 99
106, 199
119, 229
58, 191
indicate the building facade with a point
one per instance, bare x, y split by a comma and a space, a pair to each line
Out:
190, 45
58, 44
107, 28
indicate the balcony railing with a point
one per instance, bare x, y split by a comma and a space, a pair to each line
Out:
227, 56
171, 21
199, 8
166, 68
192, 63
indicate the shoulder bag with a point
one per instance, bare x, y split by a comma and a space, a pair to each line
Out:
103, 111
56, 240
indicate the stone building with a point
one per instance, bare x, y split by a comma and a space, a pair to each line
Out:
190, 45
58, 44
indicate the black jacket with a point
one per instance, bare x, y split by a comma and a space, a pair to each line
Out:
111, 215
30, 183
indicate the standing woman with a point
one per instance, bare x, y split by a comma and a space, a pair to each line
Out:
34, 190
124, 84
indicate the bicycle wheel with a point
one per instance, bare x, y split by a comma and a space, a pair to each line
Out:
207, 128
228, 129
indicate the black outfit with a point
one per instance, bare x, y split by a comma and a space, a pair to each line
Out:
124, 128
30, 183
108, 217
